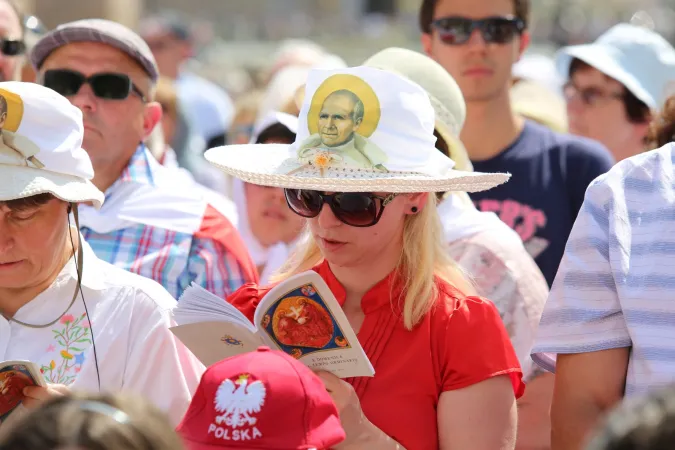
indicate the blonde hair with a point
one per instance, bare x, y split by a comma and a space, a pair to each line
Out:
424, 257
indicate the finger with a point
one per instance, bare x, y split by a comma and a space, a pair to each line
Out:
36, 393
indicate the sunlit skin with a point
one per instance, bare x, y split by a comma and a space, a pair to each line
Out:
113, 129
34, 246
169, 52
605, 121
336, 120
269, 216
10, 28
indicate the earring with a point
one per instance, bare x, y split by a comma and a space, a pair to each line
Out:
414, 209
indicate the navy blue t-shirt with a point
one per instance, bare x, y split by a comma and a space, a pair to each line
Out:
550, 173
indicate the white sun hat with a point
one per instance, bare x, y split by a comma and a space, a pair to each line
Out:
635, 56
444, 93
360, 129
41, 146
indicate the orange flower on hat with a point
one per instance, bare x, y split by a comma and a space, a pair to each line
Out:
322, 160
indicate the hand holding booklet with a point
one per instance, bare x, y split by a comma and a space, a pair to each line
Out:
299, 316
14, 376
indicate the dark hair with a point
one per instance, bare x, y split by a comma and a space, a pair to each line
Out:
662, 128
95, 422
28, 202
521, 9
636, 110
276, 132
443, 147
644, 423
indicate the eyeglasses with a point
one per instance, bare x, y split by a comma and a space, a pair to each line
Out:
589, 96
105, 85
357, 209
495, 30
10, 47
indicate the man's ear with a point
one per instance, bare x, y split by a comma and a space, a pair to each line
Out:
426, 40
524, 43
151, 117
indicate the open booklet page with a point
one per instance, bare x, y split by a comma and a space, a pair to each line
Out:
303, 318
299, 316
14, 377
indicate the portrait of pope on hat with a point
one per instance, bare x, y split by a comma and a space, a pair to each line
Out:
344, 112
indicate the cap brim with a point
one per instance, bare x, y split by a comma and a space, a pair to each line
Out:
271, 165
600, 57
21, 182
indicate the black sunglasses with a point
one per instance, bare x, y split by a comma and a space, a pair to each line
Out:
106, 85
495, 30
357, 209
10, 47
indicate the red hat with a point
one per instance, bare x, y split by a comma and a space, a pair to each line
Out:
261, 400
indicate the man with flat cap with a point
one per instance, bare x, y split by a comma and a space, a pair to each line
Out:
151, 223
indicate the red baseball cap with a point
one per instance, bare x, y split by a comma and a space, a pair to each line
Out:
261, 400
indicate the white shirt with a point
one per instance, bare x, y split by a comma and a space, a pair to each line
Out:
130, 317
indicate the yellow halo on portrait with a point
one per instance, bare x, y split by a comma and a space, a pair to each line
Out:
371, 104
14, 110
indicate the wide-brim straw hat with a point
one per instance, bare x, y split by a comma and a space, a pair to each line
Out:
41, 146
360, 129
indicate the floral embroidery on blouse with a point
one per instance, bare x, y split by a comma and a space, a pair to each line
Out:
72, 340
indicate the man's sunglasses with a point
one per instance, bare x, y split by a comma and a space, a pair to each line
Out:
357, 209
105, 85
495, 30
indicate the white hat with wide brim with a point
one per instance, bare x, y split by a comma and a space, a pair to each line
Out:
391, 150
41, 147
637, 57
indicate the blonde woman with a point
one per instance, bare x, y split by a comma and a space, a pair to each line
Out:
446, 375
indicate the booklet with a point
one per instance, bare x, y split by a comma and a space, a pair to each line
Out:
14, 376
300, 316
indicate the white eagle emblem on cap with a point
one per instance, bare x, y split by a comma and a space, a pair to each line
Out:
237, 401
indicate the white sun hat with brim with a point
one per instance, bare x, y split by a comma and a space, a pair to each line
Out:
444, 93
41, 146
635, 56
360, 129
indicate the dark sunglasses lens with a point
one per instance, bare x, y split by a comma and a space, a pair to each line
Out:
356, 209
13, 48
499, 31
304, 203
111, 86
63, 81
454, 30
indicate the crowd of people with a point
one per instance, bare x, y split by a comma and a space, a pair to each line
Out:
494, 224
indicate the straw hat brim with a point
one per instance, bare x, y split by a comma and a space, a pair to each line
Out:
270, 165
22, 182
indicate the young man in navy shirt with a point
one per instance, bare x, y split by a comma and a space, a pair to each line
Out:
478, 41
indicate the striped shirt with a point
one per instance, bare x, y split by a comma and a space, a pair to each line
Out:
165, 232
616, 284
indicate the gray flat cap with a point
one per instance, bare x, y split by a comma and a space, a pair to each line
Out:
96, 30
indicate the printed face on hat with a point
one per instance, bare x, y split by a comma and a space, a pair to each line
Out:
596, 110
10, 28
113, 129
340, 117
34, 243
482, 70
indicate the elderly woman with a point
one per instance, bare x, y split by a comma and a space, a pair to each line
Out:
446, 375
82, 321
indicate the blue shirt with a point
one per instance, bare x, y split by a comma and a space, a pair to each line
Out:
551, 172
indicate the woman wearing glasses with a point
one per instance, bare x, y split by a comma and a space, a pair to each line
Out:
446, 375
